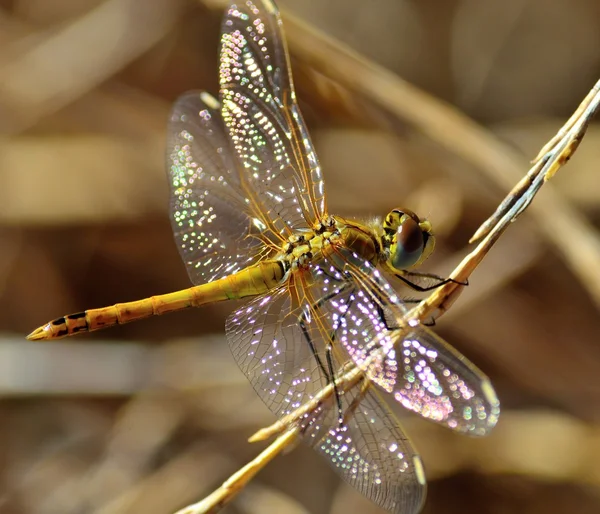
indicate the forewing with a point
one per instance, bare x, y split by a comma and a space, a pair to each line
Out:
210, 218
419, 369
263, 120
367, 448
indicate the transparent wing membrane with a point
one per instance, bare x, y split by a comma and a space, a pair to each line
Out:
419, 369
267, 342
367, 448
209, 213
281, 342
294, 342
440, 384
263, 120
370, 451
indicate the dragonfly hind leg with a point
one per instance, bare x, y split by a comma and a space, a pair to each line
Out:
311, 345
329, 372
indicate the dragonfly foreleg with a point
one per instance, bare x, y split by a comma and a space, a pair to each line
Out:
405, 276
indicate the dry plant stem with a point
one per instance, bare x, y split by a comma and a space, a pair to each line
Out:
563, 144
224, 494
164, 488
557, 153
345, 382
585, 111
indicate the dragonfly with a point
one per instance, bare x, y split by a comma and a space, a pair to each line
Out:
249, 215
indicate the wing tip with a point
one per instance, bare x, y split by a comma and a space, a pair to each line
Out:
494, 404
209, 100
419, 470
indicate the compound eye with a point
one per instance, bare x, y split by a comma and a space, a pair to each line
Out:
409, 244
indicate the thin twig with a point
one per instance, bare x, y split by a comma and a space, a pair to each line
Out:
562, 145
227, 491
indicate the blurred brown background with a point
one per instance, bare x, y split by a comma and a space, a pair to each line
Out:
152, 416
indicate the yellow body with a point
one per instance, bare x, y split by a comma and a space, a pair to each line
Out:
252, 281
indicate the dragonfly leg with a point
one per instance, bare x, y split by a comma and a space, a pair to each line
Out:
364, 387
413, 301
338, 399
405, 276
313, 350
429, 323
329, 348
328, 373
302, 322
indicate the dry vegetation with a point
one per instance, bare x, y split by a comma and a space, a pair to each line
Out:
152, 416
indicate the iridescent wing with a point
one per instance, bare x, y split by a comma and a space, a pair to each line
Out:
281, 171
419, 369
368, 448
370, 451
211, 219
293, 342
280, 342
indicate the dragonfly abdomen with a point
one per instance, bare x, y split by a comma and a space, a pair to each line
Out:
252, 281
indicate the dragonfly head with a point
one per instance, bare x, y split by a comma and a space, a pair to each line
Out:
408, 240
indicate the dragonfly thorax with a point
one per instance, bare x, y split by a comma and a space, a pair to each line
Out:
305, 247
